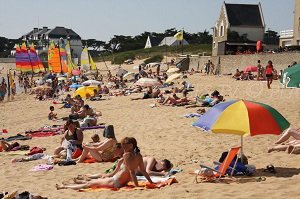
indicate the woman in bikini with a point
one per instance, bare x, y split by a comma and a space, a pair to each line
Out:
269, 73
292, 146
104, 151
125, 171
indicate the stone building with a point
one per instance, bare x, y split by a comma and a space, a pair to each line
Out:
244, 19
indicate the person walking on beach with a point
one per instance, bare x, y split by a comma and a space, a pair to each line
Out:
269, 73
207, 67
259, 70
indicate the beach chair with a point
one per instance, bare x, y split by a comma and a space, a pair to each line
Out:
217, 174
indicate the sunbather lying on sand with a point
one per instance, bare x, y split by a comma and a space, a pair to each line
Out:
124, 172
156, 168
292, 146
174, 100
151, 165
5, 146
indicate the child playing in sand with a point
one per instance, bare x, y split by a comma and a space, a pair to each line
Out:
52, 115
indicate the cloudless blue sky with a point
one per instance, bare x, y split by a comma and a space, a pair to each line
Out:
101, 19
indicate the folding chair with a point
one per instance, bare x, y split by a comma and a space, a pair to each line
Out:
223, 166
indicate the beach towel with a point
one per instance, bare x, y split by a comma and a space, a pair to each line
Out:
158, 182
17, 137
42, 167
92, 127
42, 134
13, 153
191, 115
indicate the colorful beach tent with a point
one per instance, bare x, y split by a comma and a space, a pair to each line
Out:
35, 61
86, 60
242, 117
70, 63
291, 77
22, 58
57, 59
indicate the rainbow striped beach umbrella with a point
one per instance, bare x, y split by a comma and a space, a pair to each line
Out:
242, 117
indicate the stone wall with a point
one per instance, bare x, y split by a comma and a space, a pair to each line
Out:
229, 63
7, 60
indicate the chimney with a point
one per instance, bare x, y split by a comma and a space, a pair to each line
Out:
35, 30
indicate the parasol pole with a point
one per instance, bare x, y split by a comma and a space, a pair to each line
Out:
241, 148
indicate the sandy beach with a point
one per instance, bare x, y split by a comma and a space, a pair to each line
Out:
161, 132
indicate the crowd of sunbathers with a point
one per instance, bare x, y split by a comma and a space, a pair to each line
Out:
127, 154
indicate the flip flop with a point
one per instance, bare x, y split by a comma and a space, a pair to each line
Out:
260, 179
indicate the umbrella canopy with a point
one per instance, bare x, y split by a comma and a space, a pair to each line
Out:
291, 77
121, 72
76, 72
91, 82
242, 117
147, 82
250, 69
173, 70
75, 85
173, 77
85, 91
153, 64
129, 75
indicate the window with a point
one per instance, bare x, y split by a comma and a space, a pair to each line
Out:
287, 43
299, 24
222, 31
298, 42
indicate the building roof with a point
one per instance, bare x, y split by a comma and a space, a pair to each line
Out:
43, 31
59, 32
244, 15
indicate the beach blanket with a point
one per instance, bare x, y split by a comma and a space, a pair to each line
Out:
191, 115
158, 182
42, 167
42, 134
17, 137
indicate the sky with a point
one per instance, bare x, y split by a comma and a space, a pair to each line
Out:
102, 19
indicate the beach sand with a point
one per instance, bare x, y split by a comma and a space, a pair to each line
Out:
161, 132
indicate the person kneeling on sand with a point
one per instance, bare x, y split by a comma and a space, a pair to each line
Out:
292, 147
125, 171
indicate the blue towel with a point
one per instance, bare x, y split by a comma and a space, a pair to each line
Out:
190, 115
